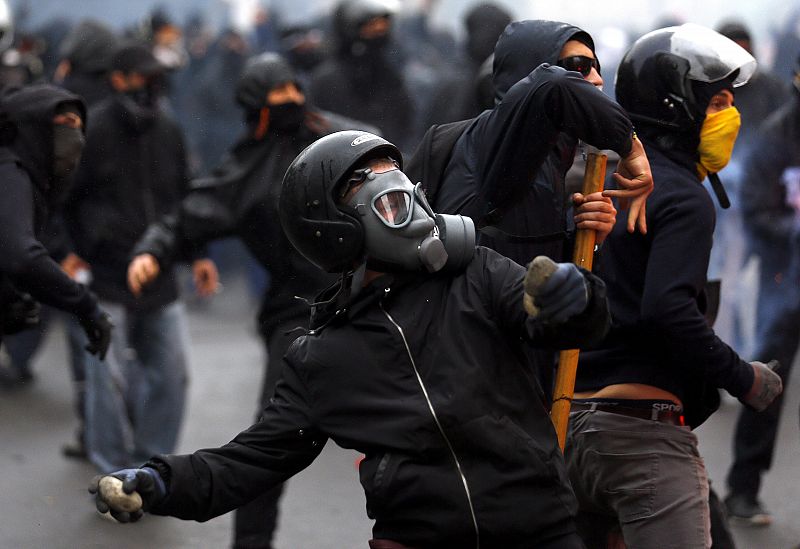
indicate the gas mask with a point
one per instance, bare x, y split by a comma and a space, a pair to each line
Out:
717, 138
401, 231
67, 148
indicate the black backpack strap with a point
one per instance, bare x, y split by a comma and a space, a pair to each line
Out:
429, 160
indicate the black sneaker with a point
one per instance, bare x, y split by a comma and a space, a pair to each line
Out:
747, 510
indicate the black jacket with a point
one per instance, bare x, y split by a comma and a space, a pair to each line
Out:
425, 376
769, 221
133, 172
373, 91
240, 198
656, 287
507, 169
29, 192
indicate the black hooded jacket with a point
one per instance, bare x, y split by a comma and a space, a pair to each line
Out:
365, 84
133, 171
769, 221
424, 375
656, 289
29, 191
492, 173
88, 48
240, 198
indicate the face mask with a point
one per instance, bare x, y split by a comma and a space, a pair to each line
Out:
401, 232
67, 148
370, 48
717, 137
286, 117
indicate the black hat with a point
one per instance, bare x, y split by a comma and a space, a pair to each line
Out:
135, 57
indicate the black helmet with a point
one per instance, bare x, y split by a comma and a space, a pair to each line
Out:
661, 79
349, 15
262, 73
324, 232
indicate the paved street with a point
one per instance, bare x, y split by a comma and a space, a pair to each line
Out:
45, 505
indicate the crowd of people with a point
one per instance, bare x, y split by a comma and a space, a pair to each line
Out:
396, 185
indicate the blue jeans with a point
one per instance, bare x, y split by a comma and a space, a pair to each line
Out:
135, 398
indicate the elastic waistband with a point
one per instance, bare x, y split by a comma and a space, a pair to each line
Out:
663, 411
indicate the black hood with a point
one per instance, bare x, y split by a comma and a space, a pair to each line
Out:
484, 24
28, 115
525, 45
260, 75
88, 47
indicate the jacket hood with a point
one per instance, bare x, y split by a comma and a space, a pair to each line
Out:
88, 47
27, 115
524, 45
484, 24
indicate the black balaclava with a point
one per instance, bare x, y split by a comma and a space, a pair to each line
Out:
261, 74
68, 144
524, 45
30, 111
484, 24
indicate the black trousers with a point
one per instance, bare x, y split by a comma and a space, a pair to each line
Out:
778, 332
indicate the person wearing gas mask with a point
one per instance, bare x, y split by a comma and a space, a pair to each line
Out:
41, 140
132, 172
632, 458
361, 79
770, 201
240, 198
414, 358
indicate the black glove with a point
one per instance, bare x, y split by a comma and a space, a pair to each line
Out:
565, 293
21, 314
98, 329
766, 387
140, 490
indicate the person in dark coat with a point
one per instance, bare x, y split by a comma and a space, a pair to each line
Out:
41, 140
457, 96
632, 458
85, 59
522, 212
240, 198
361, 80
414, 359
133, 171
769, 202
506, 167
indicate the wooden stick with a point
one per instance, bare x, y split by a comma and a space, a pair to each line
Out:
593, 179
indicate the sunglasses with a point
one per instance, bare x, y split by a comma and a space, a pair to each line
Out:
580, 63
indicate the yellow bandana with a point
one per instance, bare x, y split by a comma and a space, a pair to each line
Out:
717, 137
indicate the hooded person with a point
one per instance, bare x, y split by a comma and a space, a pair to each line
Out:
506, 167
41, 141
770, 200
524, 215
85, 60
134, 170
461, 96
240, 198
362, 79
418, 365
657, 373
